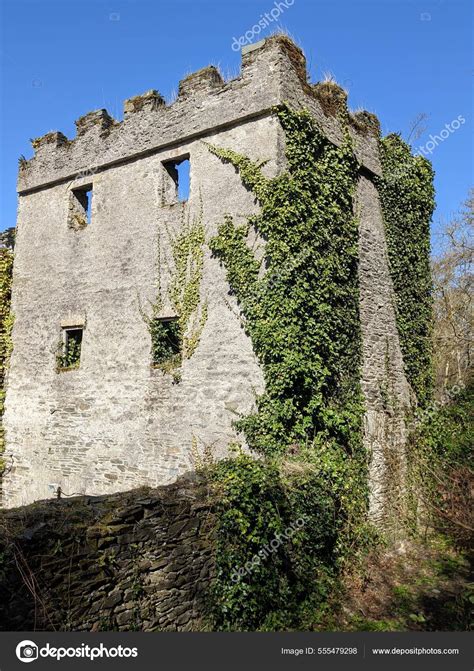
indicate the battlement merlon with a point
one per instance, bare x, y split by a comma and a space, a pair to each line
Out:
273, 71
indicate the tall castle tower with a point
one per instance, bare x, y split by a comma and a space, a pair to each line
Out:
92, 404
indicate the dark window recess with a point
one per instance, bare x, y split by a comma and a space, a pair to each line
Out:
81, 207
165, 340
70, 354
177, 180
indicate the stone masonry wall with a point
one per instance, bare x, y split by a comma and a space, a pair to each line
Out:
387, 394
117, 422
134, 561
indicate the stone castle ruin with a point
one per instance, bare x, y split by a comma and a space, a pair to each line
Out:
110, 251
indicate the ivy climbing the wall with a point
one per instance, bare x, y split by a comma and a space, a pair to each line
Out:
303, 314
300, 306
185, 287
6, 324
173, 340
407, 198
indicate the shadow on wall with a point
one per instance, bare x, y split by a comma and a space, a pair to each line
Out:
139, 560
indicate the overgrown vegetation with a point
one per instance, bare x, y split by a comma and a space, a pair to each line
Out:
285, 530
407, 198
69, 354
302, 315
453, 292
426, 582
303, 319
299, 304
442, 474
6, 324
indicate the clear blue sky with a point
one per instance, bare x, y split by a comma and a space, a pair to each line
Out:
397, 58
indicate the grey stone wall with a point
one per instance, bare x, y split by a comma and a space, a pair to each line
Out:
387, 394
135, 561
117, 422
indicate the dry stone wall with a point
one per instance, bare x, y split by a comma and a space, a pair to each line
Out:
140, 560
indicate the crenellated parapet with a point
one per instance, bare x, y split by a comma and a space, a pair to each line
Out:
273, 71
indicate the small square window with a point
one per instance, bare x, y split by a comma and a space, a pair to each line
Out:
176, 185
80, 207
165, 340
69, 355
